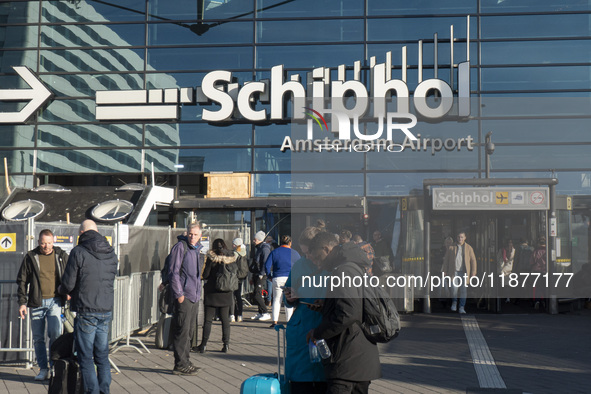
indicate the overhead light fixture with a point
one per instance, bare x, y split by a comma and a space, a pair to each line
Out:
23, 210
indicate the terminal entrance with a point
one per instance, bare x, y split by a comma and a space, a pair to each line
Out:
487, 232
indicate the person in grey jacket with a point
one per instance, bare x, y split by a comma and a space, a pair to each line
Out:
41, 270
89, 279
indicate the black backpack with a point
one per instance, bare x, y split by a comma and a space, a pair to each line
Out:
227, 277
165, 300
380, 321
242, 263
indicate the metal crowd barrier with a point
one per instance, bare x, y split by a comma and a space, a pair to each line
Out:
24, 338
136, 308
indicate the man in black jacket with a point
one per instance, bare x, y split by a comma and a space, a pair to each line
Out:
262, 250
42, 270
89, 279
354, 361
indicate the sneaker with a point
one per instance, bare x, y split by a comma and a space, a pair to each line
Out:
273, 325
462, 310
43, 375
232, 319
239, 318
256, 317
265, 316
454, 306
189, 370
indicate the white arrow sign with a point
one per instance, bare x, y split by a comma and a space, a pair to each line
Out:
37, 96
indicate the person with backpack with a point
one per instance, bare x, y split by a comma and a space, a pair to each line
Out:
278, 267
221, 275
354, 361
242, 263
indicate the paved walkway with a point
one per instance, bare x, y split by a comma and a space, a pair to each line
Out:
436, 353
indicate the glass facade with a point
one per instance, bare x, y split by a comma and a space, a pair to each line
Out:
530, 84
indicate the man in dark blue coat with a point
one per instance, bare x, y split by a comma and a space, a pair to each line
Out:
89, 279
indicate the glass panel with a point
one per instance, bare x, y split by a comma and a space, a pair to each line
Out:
94, 11
86, 60
535, 26
75, 85
197, 134
17, 58
200, 160
547, 157
19, 161
401, 184
88, 160
489, 6
535, 104
530, 130
90, 135
331, 184
536, 52
18, 36
69, 111
305, 8
536, 78
12, 12
272, 184
211, 9
404, 7
272, 159
200, 58
17, 136
310, 31
272, 134
172, 80
389, 29
327, 161
193, 33
92, 35
308, 56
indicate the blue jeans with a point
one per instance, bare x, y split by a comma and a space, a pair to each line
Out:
462, 289
51, 311
92, 344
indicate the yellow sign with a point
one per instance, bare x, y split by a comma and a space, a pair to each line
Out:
7, 242
502, 198
569, 203
404, 204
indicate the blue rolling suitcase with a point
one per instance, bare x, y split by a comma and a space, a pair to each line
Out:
268, 383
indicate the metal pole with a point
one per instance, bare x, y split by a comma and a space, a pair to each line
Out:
426, 242
551, 256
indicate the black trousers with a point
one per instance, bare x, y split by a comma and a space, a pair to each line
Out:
184, 319
338, 386
236, 307
259, 285
224, 317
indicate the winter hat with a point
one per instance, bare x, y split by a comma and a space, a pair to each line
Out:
260, 236
237, 241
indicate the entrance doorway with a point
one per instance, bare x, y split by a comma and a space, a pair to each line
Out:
487, 232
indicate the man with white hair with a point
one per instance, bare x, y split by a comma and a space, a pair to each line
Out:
89, 279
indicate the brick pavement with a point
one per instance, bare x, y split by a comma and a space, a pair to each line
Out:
535, 353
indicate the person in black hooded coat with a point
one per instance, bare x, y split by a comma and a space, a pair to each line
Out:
355, 361
217, 257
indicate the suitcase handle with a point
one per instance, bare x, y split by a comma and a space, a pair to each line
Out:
277, 328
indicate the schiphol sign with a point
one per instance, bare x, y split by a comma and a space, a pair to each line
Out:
491, 198
238, 103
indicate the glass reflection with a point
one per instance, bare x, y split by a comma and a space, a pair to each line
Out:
94, 11
89, 161
90, 135
183, 33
